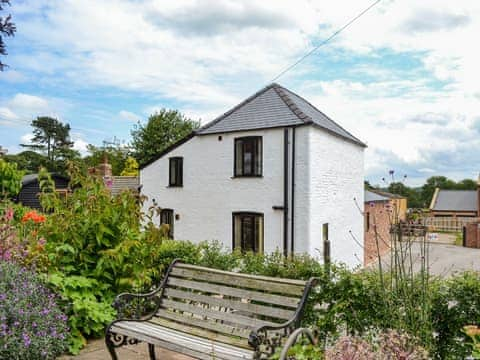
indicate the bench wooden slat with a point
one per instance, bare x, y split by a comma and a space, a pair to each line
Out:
180, 342
215, 314
239, 340
238, 275
273, 312
235, 292
239, 281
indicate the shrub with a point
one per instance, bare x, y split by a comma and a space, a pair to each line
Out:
31, 323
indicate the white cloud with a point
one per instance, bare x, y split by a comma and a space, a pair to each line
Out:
26, 138
80, 145
29, 102
130, 116
207, 55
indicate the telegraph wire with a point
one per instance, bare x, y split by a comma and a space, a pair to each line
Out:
290, 67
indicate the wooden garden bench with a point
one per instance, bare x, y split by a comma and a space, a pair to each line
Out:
210, 314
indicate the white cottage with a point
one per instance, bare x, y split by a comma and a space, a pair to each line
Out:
272, 173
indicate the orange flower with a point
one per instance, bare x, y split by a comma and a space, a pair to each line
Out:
34, 216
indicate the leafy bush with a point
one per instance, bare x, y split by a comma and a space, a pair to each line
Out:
31, 323
10, 179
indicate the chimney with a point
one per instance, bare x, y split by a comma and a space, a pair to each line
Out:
104, 169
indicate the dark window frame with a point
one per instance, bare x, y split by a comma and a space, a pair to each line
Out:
253, 140
178, 161
253, 215
169, 213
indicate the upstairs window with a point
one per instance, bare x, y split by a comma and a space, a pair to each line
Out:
248, 156
248, 232
176, 171
166, 218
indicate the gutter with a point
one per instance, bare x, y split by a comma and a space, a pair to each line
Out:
292, 236
285, 192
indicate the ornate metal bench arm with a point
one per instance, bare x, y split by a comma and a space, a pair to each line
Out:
292, 339
136, 306
141, 306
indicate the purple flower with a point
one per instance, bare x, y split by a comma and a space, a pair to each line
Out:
3, 297
26, 340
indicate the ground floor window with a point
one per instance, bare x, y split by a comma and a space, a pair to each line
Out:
166, 218
248, 231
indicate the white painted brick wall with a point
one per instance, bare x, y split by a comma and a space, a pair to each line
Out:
328, 172
336, 178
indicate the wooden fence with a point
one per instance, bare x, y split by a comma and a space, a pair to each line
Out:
448, 224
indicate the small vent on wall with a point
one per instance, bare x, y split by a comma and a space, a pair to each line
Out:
219, 137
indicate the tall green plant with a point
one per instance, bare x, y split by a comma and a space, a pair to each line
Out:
10, 179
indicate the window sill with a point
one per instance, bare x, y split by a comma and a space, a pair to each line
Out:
174, 186
245, 176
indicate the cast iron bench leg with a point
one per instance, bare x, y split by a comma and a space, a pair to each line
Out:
151, 351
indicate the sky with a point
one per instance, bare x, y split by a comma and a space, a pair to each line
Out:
404, 78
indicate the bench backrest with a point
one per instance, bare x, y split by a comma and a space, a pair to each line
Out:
226, 306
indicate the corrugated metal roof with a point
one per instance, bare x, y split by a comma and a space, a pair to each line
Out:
456, 200
274, 106
372, 197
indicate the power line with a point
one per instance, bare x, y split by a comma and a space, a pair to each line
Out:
324, 41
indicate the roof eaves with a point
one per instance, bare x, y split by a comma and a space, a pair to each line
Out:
168, 149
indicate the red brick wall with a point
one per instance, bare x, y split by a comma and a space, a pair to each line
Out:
472, 235
376, 215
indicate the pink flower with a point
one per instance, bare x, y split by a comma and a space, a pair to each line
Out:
41, 241
9, 214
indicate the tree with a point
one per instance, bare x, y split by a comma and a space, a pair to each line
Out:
28, 161
7, 28
467, 184
116, 157
52, 138
163, 129
131, 167
10, 179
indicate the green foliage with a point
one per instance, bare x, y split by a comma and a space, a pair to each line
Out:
89, 307
28, 161
130, 168
7, 28
10, 179
456, 303
163, 129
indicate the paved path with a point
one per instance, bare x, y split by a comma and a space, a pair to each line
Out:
444, 259
96, 350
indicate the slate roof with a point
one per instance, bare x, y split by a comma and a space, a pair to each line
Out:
274, 106
388, 195
121, 183
373, 197
27, 179
456, 200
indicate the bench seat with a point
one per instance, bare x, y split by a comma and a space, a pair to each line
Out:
191, 345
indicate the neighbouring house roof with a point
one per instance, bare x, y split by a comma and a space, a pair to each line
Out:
374, 197
274, 106
455, 200
121, 183
388, 195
